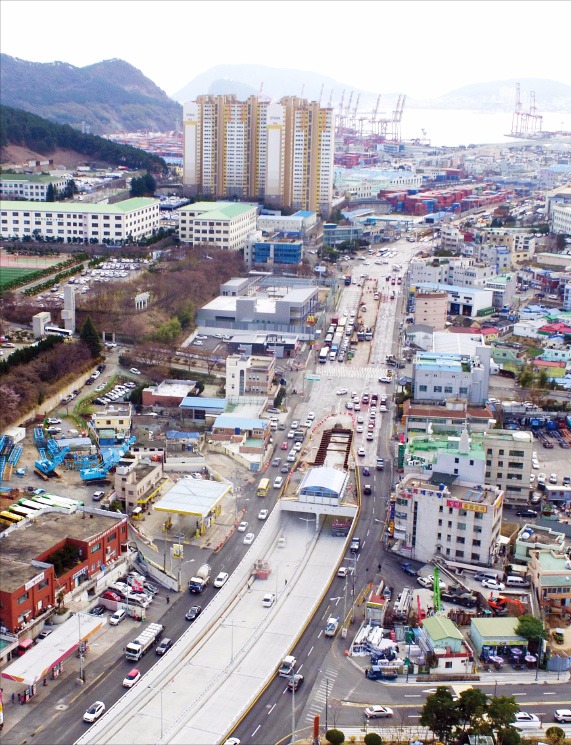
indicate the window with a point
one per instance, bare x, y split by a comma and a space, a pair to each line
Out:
500, 464
448, 665
95, 548
447, 389
476, 543
422, 388
437, 389
461, 526
459, 554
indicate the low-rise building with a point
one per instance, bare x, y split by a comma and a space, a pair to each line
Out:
550, 574
45, 559
221, 224
441, 375
441, 640
135, 481
298, 223
532, 538
462, 301
168, 393
81, 222
278, 248
460, 523
431, 308
31, 187
199, 409
112, 425
495, 636
249, 376
450, 419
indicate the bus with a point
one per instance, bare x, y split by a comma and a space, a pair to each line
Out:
332, 328
328, 338
48, 501
56, 331
10, 517
64, 501
342, 323
324, 355
263, 487
32, 505
18, 509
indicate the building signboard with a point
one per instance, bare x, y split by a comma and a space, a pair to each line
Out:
458, 504
36, 580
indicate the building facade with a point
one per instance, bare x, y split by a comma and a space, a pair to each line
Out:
247, 376
440, 375
508, 463
134, 480
278, 152
30, 187
221, 224
459, 523
430, 309
550, 575
80, 222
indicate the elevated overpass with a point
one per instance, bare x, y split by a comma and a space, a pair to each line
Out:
204, 685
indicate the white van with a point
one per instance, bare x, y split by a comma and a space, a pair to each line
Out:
513, 580
486, 575
117, 617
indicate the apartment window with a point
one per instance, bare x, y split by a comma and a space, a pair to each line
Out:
476, 542
500, 464
460, 539
449, 523
447, 389
437, 389
441, 509
448, 665
500, 476
461, 526
440, 523
478, 516
422, 388
463, 391
475, 557
500, 452
23, 598
95, 548
459, 554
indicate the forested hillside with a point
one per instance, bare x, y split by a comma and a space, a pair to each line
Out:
19, 127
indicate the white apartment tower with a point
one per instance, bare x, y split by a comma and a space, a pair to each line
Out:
281, 153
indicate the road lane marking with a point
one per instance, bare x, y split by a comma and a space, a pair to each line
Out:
319, 635
310, 651
257, 728
549, 694
519, 694
270, 711
412, 695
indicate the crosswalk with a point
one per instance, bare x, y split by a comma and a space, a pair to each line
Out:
322, 695
349, 372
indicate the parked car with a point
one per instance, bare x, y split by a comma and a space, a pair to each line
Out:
562, 715
493, 584
117, 617
134, 371
111, 595
552, 478
408, 569
526, 513
361, 452
268, 600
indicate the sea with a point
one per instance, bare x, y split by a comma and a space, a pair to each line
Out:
454, 127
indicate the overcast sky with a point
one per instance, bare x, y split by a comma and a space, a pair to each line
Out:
423, 49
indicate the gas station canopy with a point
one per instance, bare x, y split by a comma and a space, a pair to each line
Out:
196, 497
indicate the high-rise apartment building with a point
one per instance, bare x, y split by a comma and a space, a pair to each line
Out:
281, 153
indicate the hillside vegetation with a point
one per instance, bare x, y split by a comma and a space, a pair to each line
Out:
21, 128
110, 96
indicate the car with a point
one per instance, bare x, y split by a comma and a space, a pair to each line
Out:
361, 452
281, 426
295, 681
117, 617
284, 468
408, 569
97, 496
535, 464
566, 481
268, 600
262, 514
111, 595
359, 428
97, 610
163, 647
242, 527
524, 718
562, 715
378, 712
531, 479
290, 434
221, 579
134, 371
276, 462
541, 479
295, 424
278, 481
526, 513
493, 584
308, 423
367, 489
193, 613
380, 464
284, 446
100, 387
297, 447
53, 430
198, 343
342, 572
132, 677
370, 436
291, 456
150, 589
552, 478
349, 405
425, 581
202, 337
356, 406
44, 634
366, 471
249, 539
232, 741
311, 416
355, 546
218, 336
360, 420
51, 420
388, 592
342, 391
94, 712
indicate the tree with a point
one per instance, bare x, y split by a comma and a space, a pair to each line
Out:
89, 336
50, 193
199, 387
532, 629
501, 712
439, 713
335, 736
555, 735
372, 738
471, 707
560, 242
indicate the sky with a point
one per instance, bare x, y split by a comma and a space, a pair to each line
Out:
422, 48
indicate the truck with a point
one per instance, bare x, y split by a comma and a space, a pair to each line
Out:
146, 639
332, 626
201, 580
340, 526
298, 435
287, 666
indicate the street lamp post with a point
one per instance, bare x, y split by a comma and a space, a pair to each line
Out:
292, 681
179, 577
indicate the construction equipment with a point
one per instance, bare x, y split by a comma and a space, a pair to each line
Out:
436, 600
499, 605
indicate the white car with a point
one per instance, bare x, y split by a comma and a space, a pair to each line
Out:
56, 421
535, 464
524, 719
297, 447
360, 420
359, 428
342, 392
262, 514
249, 539
562, 715
377, 712
493, 584
552, 478
131, 678
295, 424
134, 371
221, 579
278, 481
94, 712
290, 434
198, 343
361, 452
425, 581
242, 527
541, 478
311, 416
268, 600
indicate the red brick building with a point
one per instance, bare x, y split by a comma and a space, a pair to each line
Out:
52, 554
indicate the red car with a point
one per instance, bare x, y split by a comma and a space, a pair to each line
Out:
110, 595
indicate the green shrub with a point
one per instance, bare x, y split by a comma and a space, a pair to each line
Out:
335, 736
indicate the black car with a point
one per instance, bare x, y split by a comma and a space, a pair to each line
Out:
164, 646
101, 367
193, 613
97, 610
526, 513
